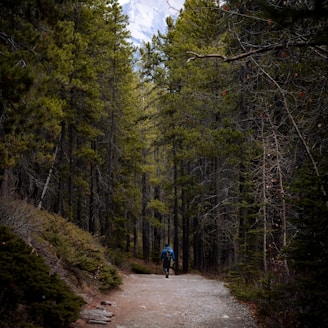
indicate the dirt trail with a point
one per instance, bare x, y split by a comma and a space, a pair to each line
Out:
179, 301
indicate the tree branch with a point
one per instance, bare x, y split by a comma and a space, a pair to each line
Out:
263, 49
298, 131
9, 40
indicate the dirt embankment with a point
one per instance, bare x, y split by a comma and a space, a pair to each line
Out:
180, 301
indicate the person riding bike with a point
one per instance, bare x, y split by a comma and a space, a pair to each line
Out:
166, 256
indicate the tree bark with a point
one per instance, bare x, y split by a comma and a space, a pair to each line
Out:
176, 215
46, 185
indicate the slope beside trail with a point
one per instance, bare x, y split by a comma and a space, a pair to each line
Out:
178, 301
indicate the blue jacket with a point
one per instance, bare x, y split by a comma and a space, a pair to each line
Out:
168, 248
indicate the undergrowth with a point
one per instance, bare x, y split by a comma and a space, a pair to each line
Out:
30, 295
34, 291
80, 253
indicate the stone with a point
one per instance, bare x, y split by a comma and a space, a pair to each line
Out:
96, 316
96, 322
108, 303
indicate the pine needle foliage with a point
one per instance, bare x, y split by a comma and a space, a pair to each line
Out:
29, 292
80, 253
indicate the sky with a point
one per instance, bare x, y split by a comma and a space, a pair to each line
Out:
146, 17
122, 2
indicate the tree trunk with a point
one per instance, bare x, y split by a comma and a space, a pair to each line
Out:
46, 185
185, 235
157, 234
176, 213
4, 191
92, 202
145, 221
264, 199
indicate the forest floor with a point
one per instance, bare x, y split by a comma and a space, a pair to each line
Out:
151, 300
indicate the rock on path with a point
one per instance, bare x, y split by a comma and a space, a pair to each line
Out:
180, 301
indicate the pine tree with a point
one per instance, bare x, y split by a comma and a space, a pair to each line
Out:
20, 34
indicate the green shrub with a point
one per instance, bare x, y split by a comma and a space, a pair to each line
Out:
29, 293
139, 268
116, 257
81, 253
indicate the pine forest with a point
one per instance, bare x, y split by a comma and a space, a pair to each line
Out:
213, 137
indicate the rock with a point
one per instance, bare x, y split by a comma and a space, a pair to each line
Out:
96, 316
95, 312
96, 322
108, 303
99, 307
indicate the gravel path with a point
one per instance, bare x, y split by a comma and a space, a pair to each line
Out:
179, 301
